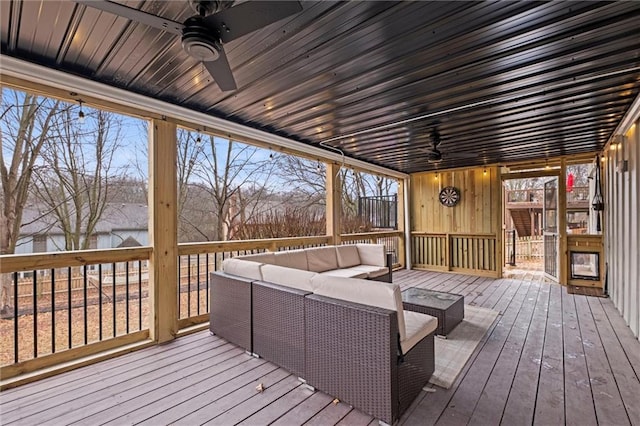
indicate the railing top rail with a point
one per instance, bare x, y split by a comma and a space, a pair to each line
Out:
225, 246
452, 234
378, 234
36, 261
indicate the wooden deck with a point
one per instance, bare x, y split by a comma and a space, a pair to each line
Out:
550, 358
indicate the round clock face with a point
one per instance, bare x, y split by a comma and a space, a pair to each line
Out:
449, 196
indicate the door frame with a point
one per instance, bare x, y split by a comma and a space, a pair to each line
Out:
560, 173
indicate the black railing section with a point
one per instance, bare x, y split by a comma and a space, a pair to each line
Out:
380, 211
194, 280
62, 308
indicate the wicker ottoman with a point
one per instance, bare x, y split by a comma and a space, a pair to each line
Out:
447, 307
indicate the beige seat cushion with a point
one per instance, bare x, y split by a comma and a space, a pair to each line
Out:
242, 268
292, 259
372, 271
373, 293
322, 259
266, 257
418, 326
347, 256
289, 277
372, 254
346, 272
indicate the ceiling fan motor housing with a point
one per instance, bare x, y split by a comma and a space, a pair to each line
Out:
198, 40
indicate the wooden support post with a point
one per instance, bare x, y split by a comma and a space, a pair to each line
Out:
498, 208
163, 229
334, 203
563, 256
400, 220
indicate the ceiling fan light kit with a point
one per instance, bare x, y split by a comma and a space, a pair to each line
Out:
215, 23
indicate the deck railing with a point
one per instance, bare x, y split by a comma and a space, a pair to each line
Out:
94, 300
475, 253
61, 301
197, 260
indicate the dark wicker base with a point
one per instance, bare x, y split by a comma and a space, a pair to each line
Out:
230, 315
278, 325
352, 354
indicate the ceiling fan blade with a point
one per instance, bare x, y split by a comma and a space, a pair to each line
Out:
221, 72
250, 16
134, 14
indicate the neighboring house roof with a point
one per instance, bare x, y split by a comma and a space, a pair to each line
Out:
116, 216
129, 242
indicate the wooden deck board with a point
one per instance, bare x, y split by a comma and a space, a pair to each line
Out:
626, 380
578, 397
548, 357
549, 406
606, 397
470, 390
521, 399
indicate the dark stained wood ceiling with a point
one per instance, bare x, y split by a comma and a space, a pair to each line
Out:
501, 81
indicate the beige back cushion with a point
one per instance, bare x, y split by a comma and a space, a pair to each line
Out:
347, 256
295, 278
373, 293
372, 254
292, 259
242, 268
266, 257
322, 259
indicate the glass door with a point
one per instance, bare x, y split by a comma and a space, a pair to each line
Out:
550, 229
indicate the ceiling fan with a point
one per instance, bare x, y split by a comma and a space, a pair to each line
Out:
216, 22
435, 156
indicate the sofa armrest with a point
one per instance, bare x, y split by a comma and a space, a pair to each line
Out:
352, 354
230, 309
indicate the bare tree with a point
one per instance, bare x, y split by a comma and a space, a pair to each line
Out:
76, 173
26, 121
219, 183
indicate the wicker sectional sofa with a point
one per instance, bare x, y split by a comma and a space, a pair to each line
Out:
348, 337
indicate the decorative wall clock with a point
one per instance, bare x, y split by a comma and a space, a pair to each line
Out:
449, 196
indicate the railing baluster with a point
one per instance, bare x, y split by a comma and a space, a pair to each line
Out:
15, 317
140, 294
35, 314
179, 278
69, 309
188, 286
53, 310
113, 292
198, 272
207, 282
85, 285
127, 293
100, 302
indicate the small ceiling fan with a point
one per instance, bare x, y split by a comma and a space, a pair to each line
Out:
435, 156
216, 22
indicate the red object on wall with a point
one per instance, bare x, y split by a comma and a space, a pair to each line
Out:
570, 182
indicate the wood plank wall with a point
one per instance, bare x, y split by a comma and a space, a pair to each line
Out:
622, 231
480, 193
470, 231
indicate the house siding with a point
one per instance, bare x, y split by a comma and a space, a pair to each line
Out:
622, 233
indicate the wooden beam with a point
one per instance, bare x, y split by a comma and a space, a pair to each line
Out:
498, 215
163, 227
400, 220
333, 191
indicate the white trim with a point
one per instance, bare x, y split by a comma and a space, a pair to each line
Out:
632, 115
58, 79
